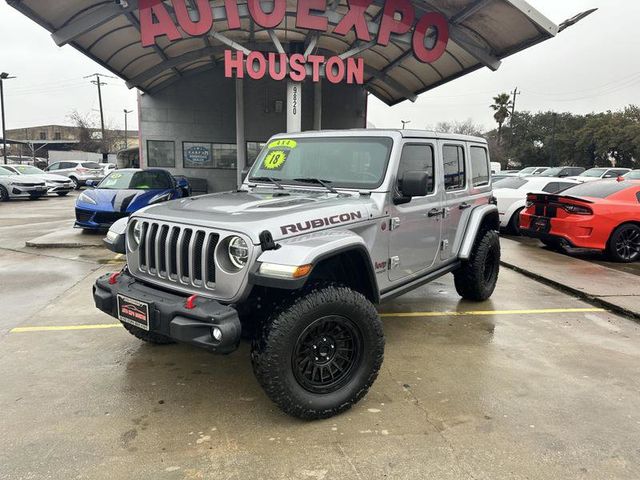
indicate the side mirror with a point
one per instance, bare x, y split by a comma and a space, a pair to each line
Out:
414, 184
90, 183
115, 238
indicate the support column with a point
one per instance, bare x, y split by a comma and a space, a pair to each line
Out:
294, 107
240, 136
317, 105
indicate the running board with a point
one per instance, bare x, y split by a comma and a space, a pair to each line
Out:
394, 292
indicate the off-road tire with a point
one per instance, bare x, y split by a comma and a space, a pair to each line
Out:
284, 338
4, 194
149, 337
514, 223
477, 277
62, 194
629, 235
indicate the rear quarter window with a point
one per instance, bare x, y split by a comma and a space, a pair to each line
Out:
480, 170
603, 189
92, 165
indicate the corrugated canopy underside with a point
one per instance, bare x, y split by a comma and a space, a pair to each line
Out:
482, 32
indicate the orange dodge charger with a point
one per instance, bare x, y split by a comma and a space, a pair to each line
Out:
602, 215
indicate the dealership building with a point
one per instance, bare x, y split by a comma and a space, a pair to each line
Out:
217, 78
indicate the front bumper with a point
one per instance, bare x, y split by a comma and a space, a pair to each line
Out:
97, 220
24, 191
168, 315
53, 188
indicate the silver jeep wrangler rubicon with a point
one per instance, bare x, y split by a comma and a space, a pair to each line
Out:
326, 225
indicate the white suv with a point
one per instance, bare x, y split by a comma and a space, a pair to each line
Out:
77, 171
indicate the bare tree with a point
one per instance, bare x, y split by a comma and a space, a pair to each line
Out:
466, 127
89, 134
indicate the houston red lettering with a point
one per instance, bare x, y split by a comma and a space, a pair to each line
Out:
355, 19
430, 20
231, 63
304, 18
202, 26
267, 20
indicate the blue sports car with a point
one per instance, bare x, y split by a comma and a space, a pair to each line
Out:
123, 192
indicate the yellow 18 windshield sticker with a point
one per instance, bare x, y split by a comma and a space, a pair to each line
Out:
275, 159
284, 143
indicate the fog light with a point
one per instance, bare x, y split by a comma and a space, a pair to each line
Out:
216, 333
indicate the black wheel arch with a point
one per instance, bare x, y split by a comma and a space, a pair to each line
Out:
350, 266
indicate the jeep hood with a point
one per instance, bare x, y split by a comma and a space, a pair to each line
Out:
283, 213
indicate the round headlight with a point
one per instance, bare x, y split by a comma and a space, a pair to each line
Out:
238, 252
137, 232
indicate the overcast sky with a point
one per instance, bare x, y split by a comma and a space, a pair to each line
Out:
593, 66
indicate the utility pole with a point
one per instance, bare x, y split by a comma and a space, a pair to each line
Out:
3, 76
126, 135
515, 94
405, 123
100, 83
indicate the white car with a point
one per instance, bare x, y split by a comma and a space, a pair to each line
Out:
633, 175
17, 186
595, 174
56, 184
532, 171
107, 168
511, 194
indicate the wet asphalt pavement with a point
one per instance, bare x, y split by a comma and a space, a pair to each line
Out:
533, 384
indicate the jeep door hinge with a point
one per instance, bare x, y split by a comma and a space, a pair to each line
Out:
394, 262
394, 223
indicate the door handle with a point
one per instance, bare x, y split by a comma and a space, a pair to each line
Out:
464, 206
435, 212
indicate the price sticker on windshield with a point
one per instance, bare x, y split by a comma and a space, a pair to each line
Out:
275, 160
283, 143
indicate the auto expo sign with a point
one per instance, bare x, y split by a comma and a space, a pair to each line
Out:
429, 34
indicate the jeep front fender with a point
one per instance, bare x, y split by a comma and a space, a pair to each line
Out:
312, 249
481, 216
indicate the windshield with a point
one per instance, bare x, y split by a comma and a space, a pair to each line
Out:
149, 180
594, 173
528, 170
91, 165
4, 172
635, 175
350, 162
28, 170
552, 172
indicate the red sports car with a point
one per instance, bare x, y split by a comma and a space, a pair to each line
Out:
603, 215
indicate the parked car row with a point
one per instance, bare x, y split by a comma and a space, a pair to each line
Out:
571, 214
575, 173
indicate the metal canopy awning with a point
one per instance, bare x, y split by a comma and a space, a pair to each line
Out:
482, 33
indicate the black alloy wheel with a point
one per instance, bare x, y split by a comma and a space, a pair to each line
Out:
624, 245
326, 354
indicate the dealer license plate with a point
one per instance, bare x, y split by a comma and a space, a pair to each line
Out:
540, 224
133, 312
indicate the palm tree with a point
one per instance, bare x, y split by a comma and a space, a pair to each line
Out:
502, 105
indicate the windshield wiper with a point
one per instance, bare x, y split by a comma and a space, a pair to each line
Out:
324, 183
275, 181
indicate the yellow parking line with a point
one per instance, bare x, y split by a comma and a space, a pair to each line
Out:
470, 313
492, 312
64, 327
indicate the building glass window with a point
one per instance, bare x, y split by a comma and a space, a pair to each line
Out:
197, 155
253, 150
57, 136
454, 171
161, 153
209, 155
225, 155
43, 135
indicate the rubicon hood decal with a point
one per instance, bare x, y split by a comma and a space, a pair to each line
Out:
301, 227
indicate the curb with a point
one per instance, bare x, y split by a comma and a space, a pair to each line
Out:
60, 245
597, 301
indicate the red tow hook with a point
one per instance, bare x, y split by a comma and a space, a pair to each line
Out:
190, 304
113, 278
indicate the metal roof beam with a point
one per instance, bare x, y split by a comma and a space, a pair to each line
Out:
469, 11
95, 18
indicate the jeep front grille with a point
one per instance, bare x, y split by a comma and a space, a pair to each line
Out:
178, 254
